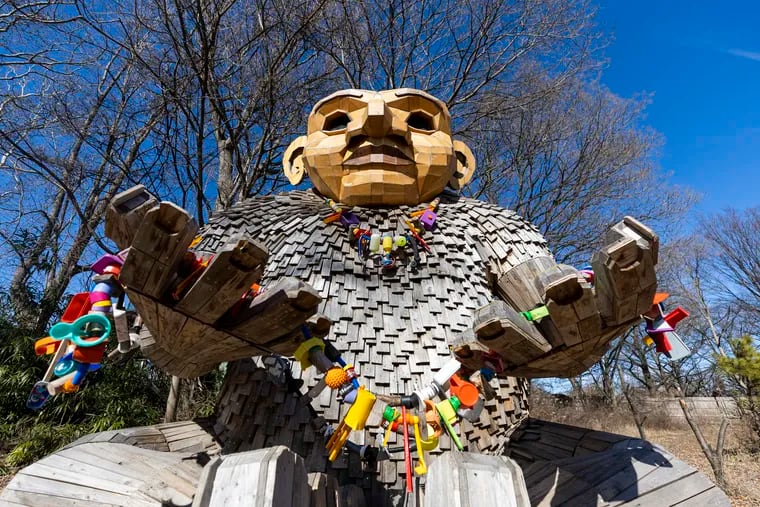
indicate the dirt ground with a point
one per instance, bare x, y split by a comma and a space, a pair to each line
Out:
741, 456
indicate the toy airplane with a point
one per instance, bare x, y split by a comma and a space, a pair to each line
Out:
661, 329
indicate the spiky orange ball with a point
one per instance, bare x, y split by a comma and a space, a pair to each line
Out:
335, 377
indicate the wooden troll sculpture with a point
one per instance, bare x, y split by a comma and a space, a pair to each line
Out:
412, 313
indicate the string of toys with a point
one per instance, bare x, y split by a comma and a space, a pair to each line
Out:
385, 250
78, 342
396, 414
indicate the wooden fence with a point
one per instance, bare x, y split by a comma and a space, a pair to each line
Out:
703, 407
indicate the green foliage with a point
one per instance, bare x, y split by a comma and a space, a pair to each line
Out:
35, 440
744, 366
116, 396
202, 399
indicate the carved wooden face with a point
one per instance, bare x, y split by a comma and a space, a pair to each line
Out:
379, 148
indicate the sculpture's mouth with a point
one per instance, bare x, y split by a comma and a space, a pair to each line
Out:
380, 152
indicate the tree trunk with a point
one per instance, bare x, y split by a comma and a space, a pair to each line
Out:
638, 418
171, 401
714, 456
225, 182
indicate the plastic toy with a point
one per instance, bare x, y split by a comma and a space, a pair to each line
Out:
77, 349
466, 392
447, 409
661, 329
354, 420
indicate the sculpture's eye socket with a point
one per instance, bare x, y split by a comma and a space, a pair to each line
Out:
420, 121
336, 121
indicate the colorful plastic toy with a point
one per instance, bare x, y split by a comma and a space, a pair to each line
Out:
661, 332
78, 349
355, 419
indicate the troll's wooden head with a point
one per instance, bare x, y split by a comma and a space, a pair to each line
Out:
379, 148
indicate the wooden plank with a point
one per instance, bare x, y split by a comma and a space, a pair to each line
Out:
274, 477
182, 431
624, 272
229, 274
564, 430
614, 474
79, 475
51, 487
324, 490
660, 478
175, 333
539, 450
170, 324
276, 313
462, 479
352, 495
570, 493
502, 329
196, 443
111, 471
125, 212
537, 471
44, 500
168, 427
565, 447
714, 497
627, 480
595, 472
138, 464
673, 492
5, 501
517, 285
552, 489
206, 483
157, 249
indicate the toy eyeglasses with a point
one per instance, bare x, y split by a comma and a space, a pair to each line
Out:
81, 331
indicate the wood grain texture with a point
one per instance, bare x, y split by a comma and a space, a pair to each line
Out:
396, 327
465, 479
105, 474
568, 466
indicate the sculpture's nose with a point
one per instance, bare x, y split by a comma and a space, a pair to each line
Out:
375, 120
378, 121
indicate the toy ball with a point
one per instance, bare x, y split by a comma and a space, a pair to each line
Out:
335, 377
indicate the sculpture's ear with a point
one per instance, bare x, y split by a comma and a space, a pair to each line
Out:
465, 166
292, 161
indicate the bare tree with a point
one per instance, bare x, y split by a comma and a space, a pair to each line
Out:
238, 77
456, 50
197, 100
714, 455
630, 398
75, 122
736, 237
574, 162
603, 373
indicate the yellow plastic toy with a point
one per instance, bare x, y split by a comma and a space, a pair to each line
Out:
302, 352
355, 419
422, 445
421, 468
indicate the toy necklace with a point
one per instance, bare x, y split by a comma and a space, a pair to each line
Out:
385, 251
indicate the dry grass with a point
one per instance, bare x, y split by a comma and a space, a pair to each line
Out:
742, 451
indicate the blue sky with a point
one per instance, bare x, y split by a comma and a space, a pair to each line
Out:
701, 60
